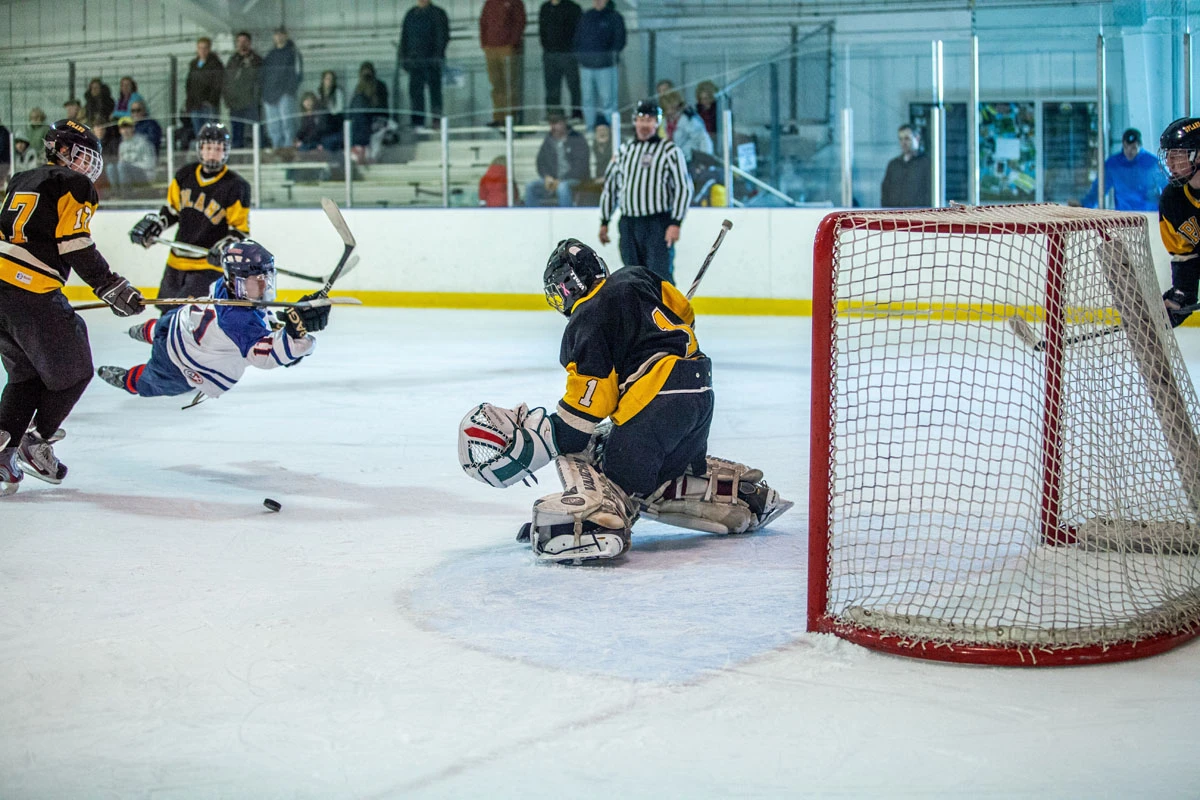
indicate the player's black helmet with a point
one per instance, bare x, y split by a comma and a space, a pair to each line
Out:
647, 108
574, 270
1179, 149
73, 145
209, 133
248, 264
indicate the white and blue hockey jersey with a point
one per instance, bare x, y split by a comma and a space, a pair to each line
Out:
213, 345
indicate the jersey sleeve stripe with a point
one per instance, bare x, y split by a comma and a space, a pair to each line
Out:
574, 420
71, 245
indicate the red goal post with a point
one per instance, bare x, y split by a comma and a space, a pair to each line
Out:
1004, 460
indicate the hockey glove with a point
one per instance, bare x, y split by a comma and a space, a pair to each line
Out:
501, 446
299, 322
123, 298
1175, 300
217, 250
147, 230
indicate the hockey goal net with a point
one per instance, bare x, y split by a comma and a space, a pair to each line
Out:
1005, 467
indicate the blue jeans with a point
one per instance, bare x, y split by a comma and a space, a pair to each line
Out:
536, 194
599, 89
240, 120
201, 116
282, 121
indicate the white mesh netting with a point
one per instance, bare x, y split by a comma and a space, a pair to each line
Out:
983, 491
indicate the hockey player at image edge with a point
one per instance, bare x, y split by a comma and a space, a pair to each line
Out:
45, 235
630, 434
208, 348
1178, 211
211, 204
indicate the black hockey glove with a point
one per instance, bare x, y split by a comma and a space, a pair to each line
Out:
146, 230
217, 250
124, 299
1175, 299
299, 322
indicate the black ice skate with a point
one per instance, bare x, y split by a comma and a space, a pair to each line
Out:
143, 332
10, 473
36, 458
115, 376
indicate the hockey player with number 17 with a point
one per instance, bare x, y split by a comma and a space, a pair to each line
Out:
207, 347
1178, 211
632, 357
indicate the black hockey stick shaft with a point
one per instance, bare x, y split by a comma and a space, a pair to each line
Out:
726, 227
339, 224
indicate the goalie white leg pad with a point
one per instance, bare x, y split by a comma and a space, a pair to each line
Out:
729, 498
590, 519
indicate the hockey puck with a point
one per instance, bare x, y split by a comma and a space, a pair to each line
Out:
273, 505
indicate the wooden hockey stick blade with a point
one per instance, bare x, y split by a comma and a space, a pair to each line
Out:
726, 227
339, 222
1025, 332
213, 301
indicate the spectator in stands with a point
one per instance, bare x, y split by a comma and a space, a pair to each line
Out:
243, 88
282, 71
684, 126
73, 110
26, 156
144, 126
599, 40
492, 186
557, 20
135, 166
205, 79
501, 32
368, 109
562, 164
1133, 176
588, 191
706, 105
37, 127
331, 98
424, 35
127, 96
314, 124
907, 182
99, 103
110, 138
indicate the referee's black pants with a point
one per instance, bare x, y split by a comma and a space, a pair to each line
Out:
643, 243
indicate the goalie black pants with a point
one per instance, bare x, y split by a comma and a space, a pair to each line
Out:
45, 351
669, 435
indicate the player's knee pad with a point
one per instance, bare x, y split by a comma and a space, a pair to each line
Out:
590, 519
729, 498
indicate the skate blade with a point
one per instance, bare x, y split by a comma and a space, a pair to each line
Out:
7, 488
33, 472
776, 513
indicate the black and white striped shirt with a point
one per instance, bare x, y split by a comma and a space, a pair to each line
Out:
649, 177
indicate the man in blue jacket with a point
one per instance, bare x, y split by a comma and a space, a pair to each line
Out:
599, 40
424, 35
1132, 175
282, 71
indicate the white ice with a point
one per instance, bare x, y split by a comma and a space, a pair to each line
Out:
162, 635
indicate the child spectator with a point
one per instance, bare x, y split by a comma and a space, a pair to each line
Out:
144, 126
127, 97
314, 124
491, 186
38, 128
99, 103
331, 98
26, 156
706, 105
136, 163
368, 109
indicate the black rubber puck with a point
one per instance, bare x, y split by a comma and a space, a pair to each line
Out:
271, 504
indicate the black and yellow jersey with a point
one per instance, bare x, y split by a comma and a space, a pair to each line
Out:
207, 208
45, 227
622, 343
1178, 211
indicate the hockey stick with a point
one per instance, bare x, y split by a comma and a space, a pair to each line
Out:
1025, 332
726, 227
317, 302
339, 224
202, 252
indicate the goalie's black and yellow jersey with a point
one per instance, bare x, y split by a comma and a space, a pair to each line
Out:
46, 217
621, 346
207, 209
1178, 212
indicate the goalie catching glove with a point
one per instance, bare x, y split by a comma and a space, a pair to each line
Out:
300, 322
503, 446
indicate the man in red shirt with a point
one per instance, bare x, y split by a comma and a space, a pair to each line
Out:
501, 32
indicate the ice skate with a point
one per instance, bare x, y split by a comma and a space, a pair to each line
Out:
143, 332
114, 376
36, 458
10, 473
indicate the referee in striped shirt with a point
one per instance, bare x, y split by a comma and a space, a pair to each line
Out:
650, 176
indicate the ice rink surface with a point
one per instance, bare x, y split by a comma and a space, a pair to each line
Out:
162, 635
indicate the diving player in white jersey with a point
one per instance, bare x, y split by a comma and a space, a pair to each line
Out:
208, 348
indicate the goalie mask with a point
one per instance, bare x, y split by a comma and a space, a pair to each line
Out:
212, 146
73, 145
249, 271
1179, 150
573, 271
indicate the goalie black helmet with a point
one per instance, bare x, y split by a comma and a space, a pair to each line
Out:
212, 133
574, 269
73, 145
1179, 149
249, 271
